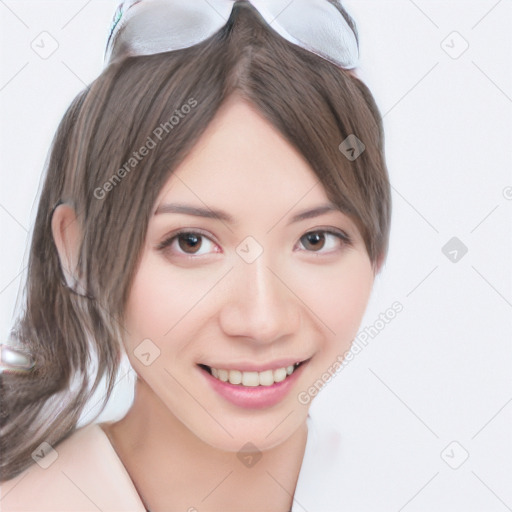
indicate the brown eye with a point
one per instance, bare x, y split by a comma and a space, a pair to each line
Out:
189, 243
313, 241
325, 241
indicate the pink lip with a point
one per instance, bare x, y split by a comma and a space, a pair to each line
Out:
258, 397
252, 367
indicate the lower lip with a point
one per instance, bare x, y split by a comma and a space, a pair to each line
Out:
256, 397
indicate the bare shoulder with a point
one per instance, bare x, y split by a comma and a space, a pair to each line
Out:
81, 473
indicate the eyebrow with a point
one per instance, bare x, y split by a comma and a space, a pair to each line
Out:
221, 215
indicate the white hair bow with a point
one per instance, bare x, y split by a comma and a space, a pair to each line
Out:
144, 27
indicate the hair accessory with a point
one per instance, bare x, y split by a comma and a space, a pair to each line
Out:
12, 359
145, 27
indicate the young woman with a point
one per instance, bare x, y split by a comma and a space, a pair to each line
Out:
216, 206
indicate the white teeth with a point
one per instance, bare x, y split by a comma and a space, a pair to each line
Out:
223, 375
280, 374
266, 378
250, 378
253, 379
235, 377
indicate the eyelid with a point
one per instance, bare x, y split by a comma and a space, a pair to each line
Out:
169, 239
335, 231
342, 235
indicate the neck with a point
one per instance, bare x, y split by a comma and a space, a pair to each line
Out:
172, 469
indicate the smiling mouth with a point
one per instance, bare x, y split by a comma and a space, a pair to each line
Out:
252, 379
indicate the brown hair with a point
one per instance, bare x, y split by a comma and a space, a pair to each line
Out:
314, 104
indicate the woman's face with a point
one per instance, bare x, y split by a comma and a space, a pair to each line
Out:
249, 288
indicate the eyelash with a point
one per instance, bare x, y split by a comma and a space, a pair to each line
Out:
162, 246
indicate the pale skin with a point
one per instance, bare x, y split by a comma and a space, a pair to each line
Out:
180, 439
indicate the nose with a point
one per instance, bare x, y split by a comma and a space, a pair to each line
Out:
258, 304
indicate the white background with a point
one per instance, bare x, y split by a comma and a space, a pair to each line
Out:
441, 370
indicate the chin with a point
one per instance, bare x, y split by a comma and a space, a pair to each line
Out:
264, 433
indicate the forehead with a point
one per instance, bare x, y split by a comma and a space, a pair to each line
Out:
243, 160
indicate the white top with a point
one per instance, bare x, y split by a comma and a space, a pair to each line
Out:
88, 475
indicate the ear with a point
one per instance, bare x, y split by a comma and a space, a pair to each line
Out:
67, 235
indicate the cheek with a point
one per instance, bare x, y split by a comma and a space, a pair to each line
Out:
338, 299
149, 312
162, 299
352, 297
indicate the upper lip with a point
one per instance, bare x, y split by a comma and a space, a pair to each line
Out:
254, 367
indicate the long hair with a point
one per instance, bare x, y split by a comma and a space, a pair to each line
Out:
91, 166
